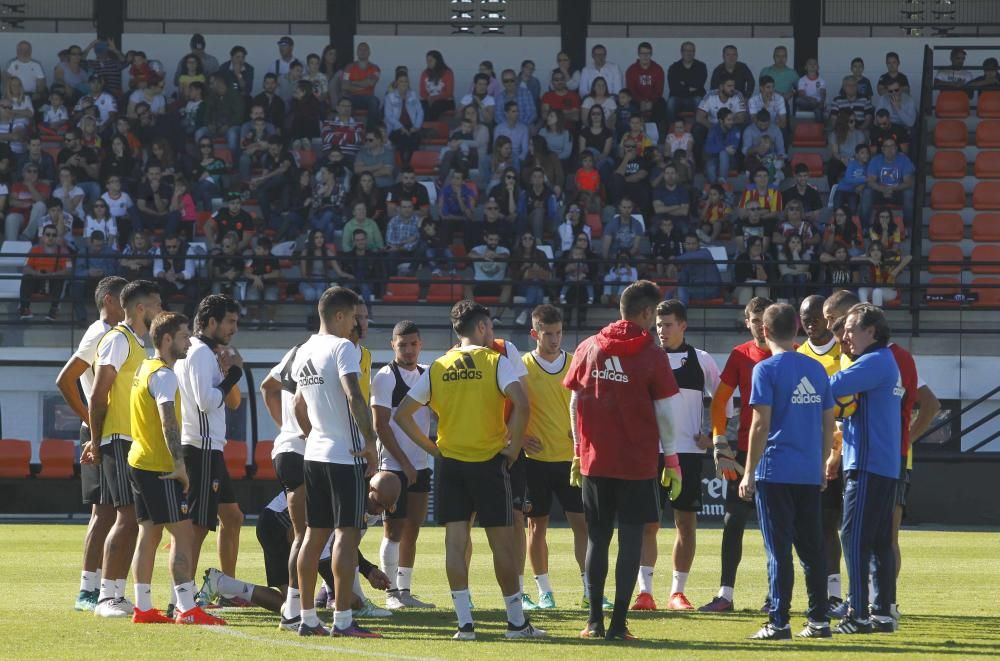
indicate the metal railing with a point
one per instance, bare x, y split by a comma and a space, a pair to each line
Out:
955, 417
920, 188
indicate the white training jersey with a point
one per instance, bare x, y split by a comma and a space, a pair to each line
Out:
118, 206
203, 411
694, 382
388, 391
87, 352
514, 356
290, 438
319, 364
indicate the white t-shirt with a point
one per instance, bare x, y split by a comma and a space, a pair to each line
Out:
114, 352
156, 105
106, 225
514, 356
608, 104
689, 406
506, 374
118, 207
65, 196
203, 411
812, 86
959, 76
713, 103
87, 352
163, 385
383, 385
29, 72
318, 366
776, 106
289, 437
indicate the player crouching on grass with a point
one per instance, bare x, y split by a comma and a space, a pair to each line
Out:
158, 476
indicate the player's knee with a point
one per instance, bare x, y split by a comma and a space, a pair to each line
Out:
231, 517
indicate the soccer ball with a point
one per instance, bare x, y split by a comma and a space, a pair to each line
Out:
844, 407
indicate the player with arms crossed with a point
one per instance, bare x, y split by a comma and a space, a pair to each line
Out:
790, 439
468, 388
622, 415
77, 374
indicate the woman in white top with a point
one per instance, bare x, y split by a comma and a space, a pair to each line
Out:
22, 106
564, 65
571, 227
599, 96
101, 220
152, 95
69, 194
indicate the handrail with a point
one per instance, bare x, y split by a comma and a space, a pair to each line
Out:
920, 189
957, 415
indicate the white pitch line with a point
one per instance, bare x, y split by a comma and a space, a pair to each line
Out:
234, 633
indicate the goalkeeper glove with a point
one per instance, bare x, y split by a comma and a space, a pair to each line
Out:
575, 477
671, 476
725, 461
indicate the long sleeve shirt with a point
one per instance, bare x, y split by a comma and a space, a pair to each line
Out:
610, 72
526, 108
518, 135
203, 424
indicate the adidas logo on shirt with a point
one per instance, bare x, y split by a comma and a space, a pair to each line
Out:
805, 393
612, 371
899, 390
309, 376
463, 369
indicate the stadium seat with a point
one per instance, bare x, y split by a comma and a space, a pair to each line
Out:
809, 134
946, 227
402, 290
947, 196
988, 134
262, 457
813, 160
952, 104
15, 456
235, 453
425, 163
986, 227
951, 133
306, 158
986, 260
949, 165
58, 459
225, 155
943, 286
986, 196
435, 133
987, 165
988, 105
444, 291
989, 296
946, 252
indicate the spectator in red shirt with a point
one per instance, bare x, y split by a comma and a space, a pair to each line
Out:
645, 79
560, 97
621, 418
46, 271
437, 87
360, 78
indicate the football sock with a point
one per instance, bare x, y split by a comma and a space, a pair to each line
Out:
357, 586
143, 596
646, 579
343, 619
230, 587
293, 607
185, 596
543, 583
586, 587
389, 559
119, 587
107, 589
515, 611
404, 578
520, 583
679, 582
833, 585
626, 570
309, 617
726, 592
172, 599
89, 581
463, 607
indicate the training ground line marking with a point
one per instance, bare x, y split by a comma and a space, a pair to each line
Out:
233, 633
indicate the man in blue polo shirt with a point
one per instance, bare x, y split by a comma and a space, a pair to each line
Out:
871, 458
890, 181
790, 439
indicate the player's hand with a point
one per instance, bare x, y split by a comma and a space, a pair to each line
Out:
179, 474
725, 460
91, 453
370, 454
748, 487
703, 441
532, 445
510, 454
832, 468
411, 474
671, 478
575, 476
377, 579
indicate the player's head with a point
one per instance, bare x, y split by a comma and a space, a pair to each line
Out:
383, 492
360, 330
171, 336
638, 303
217, 317
406, 344
141, 301
813, 321
107, 296
753, 317
546, 328
865, 325
779, 323
471, 320
835, 308
338, 311
671, 323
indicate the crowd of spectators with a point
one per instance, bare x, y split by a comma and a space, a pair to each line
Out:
558, 183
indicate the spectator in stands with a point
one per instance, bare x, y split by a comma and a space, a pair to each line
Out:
574, 224
707, 115
763, 145
634, 130
28, 71
174, 269
160, 153
286, 56
578, 271
319, 83
437, 87
670, 199
117, 161
516, 92
851, 101
42, 160
878, 274
620, 275
839, 270
587, 178
884, 129
793, 266
805, 193
192, 115
100, 220
207, 173
539, 156
270, 102
865, 88
481, 99
714, 215
623, 232
843, 140
768, 198
54, 217
253, 140
208, 62
456, 203
272, 186
784, 78
753, 271
796, 224
513, 129
753, 225
229, 219
843, 230
697, 275
191, 71
93, 261
433, 249
25, 202
890, 181
45, 272
666, 243
359, 80
954, 76
238, 75
54, 118
98, 97
82, 162
489, 271
152, 208
886, 230
600, 68
262, 273
810, 93
401, 237
892, 75
21, 105
361, 221
721, 147
319, 267
344, 132
364, 266
70, 75
108, 65
990, 80
228, 265
855, 178
563, 100
223, 113
151, 94
686, 83
137, 258
901, 106
768, 98
740, 72
558, 139
404, 117
377, 159
529, 271
679, 139
119, 203
494, 220
539, 209
631, 178
600, 96
645, 79
526, 78
371, 196
571, 75
288, 82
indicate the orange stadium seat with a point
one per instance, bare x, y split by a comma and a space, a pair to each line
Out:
813, 160
988, 106
946, 227
425, 163
986, 260
946, 252
986, 196
949, 165
953, 104
951, 133
444, 291
986, 227
224, 155
987, 165
402, 290
989, 296
436, 133
235, 453
15, 456
948, 196
58, 459
988, 134
943, 286
262, 457
809, 134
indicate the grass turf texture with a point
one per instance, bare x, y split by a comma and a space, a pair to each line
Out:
946, 612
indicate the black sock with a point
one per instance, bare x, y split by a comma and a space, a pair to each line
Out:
596, 568
626, 571
734, 523
326, 572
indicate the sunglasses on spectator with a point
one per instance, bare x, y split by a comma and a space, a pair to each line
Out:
101, 205
527, 237
574, 210
508, 80
629, 146
369, 139
510, 177
206, 145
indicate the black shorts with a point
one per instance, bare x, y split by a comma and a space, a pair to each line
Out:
210, 485
690, 498
115, 486
833, 495
272, 533
156, 500
630, 501
422, 485
90, 474
547, 479
733, 500
288, 468
336, 495
903, 487
476, 486
519, 485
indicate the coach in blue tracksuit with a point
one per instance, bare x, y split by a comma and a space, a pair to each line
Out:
790, 440
871, 458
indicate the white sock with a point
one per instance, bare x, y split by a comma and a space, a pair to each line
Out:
343, 619
543, 583
679, 581
293, 607
646, 579
143, 596
833, 585
586, 586
185, 596
309, 617
404, 578
119, 587
388, 555
230, 587
89, 581
726, 592
463, 606
357, 586
520, 583
515, 612
107, 589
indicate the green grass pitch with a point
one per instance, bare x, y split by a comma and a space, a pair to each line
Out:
946, 593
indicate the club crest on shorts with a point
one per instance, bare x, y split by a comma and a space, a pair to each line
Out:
184, 507
215, 486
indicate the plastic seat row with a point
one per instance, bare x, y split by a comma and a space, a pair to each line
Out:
949, 258
951, 227
954, 134
950, 196
953, 104
954, 165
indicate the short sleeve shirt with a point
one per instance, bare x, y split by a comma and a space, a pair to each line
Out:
738, 373
87, 352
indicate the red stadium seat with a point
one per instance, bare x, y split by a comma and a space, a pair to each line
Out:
946, 252
15, 457
58, 459
425, 163
949, 165
989, 296
402, 290
988, 134
943, 286
435, 133
953, 104
307, 158
951, 133
987, 165
809, 134
988, 105
224, 154
986, 260
262, 457
235, 453
946, 227
986, 227
947, 196
986, 196
813, 160
444, 291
